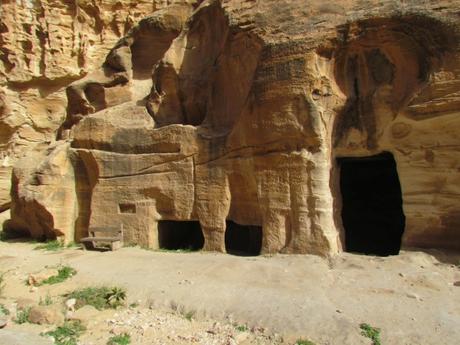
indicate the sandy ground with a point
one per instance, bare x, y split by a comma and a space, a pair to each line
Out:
412, 297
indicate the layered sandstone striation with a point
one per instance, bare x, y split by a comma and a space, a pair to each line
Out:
45, 45
237, 111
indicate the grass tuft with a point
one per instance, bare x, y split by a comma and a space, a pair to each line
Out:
2, 282
371, 332
241, 328
3, 310
134, 305
304, 342
51, 246
182, 250
46, 301
190, 315
64, 273
123, 339
99, 297
67, 334
22, 316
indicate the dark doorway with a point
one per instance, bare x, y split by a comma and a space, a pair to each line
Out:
372, 212
243, 240
178, 235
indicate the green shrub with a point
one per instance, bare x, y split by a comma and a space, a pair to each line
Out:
304, 342
116, 296
99, 297
67, 334
22, 316
3, 310
64, 273
371, 333
189, 315
46, 301
182, 250
123, 339
51, 246
241, 328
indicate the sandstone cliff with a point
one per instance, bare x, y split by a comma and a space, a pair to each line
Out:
45, 45
240, 111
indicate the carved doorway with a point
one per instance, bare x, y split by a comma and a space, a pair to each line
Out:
372, 212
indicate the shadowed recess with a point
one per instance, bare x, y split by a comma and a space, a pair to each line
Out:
371, 204
243, 240
180, 235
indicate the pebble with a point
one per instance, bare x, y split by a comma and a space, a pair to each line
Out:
70, 304
147, 323
414, 296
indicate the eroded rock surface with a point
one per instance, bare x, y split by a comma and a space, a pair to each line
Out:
236, 112
45, 45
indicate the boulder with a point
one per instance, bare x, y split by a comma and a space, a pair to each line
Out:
49, 315
85, 314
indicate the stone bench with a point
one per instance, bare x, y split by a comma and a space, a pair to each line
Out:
112, 236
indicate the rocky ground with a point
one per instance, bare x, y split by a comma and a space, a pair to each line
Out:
207, 298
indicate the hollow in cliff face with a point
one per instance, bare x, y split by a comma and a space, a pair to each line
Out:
372, 212
385, 69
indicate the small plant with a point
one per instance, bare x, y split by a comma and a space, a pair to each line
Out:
189, 315
123, 339
134, 305
51, 246
241, 328
2, 282
67, 334
3, 310
371, 333
64, 273
22, 316
304, 342
182, 250
46, 301
99, 297
116, 297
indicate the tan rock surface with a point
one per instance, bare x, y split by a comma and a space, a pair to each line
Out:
49, 315
239, 113
45, 45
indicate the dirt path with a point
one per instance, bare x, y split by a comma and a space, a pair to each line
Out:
411, 297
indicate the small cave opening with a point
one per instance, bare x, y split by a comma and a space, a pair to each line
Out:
180, 235
243, 240
372, 212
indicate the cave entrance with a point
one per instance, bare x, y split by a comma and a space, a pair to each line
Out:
243, 240
372, 211
180, 235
